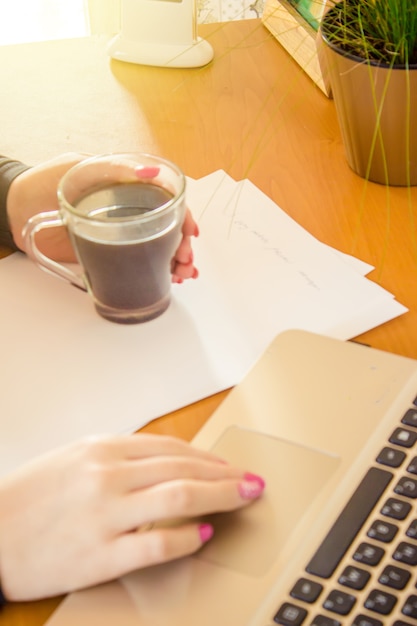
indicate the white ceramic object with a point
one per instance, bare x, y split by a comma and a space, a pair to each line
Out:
160, 32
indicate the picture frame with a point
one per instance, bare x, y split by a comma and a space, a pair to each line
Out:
295, 24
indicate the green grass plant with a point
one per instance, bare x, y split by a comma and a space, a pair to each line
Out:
379, 31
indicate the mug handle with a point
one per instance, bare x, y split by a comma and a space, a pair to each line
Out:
50, 219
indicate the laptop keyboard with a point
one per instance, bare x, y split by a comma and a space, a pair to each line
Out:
363, 573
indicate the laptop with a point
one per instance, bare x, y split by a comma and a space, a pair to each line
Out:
332, 427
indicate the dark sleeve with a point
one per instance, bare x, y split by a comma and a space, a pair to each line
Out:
3, 600
9, 169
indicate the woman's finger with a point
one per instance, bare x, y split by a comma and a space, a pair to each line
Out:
182, 265
193, 497
181, 272
184, 253
189, 227
141, 446
137, 550
134, 475
186, 498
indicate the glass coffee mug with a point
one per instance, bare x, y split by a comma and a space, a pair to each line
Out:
124, 215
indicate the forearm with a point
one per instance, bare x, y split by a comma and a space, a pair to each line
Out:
9, 169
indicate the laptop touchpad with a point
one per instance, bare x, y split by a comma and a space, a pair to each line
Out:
249, 540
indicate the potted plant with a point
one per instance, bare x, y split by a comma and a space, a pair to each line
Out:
369, 50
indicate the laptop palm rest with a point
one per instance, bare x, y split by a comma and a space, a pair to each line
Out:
249, 541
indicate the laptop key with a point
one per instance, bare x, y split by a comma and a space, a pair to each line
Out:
354, 577
406, 553
406, 487
395, 577
403, 437
365, 620
410, 418
391, 457
382, 531
397, 509
412, 530
368, 554
339, 602
290, 615
349, 522
410, 607
380, 602
323, 620
306, 590
412, 466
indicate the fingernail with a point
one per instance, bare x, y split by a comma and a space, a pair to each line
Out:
146, 171
206, 532
254, 477
251, 487
196, 231
195, 273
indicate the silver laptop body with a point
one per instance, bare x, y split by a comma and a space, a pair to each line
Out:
320, 420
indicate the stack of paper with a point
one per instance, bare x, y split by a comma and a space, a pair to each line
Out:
67, 373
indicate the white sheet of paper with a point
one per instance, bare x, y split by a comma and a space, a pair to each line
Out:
68, 373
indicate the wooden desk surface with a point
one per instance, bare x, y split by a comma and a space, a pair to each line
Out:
253, 113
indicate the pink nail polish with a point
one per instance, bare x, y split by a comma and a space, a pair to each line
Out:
144, 171
206, 532
254, 477
251, 487
196, 231
195, 273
